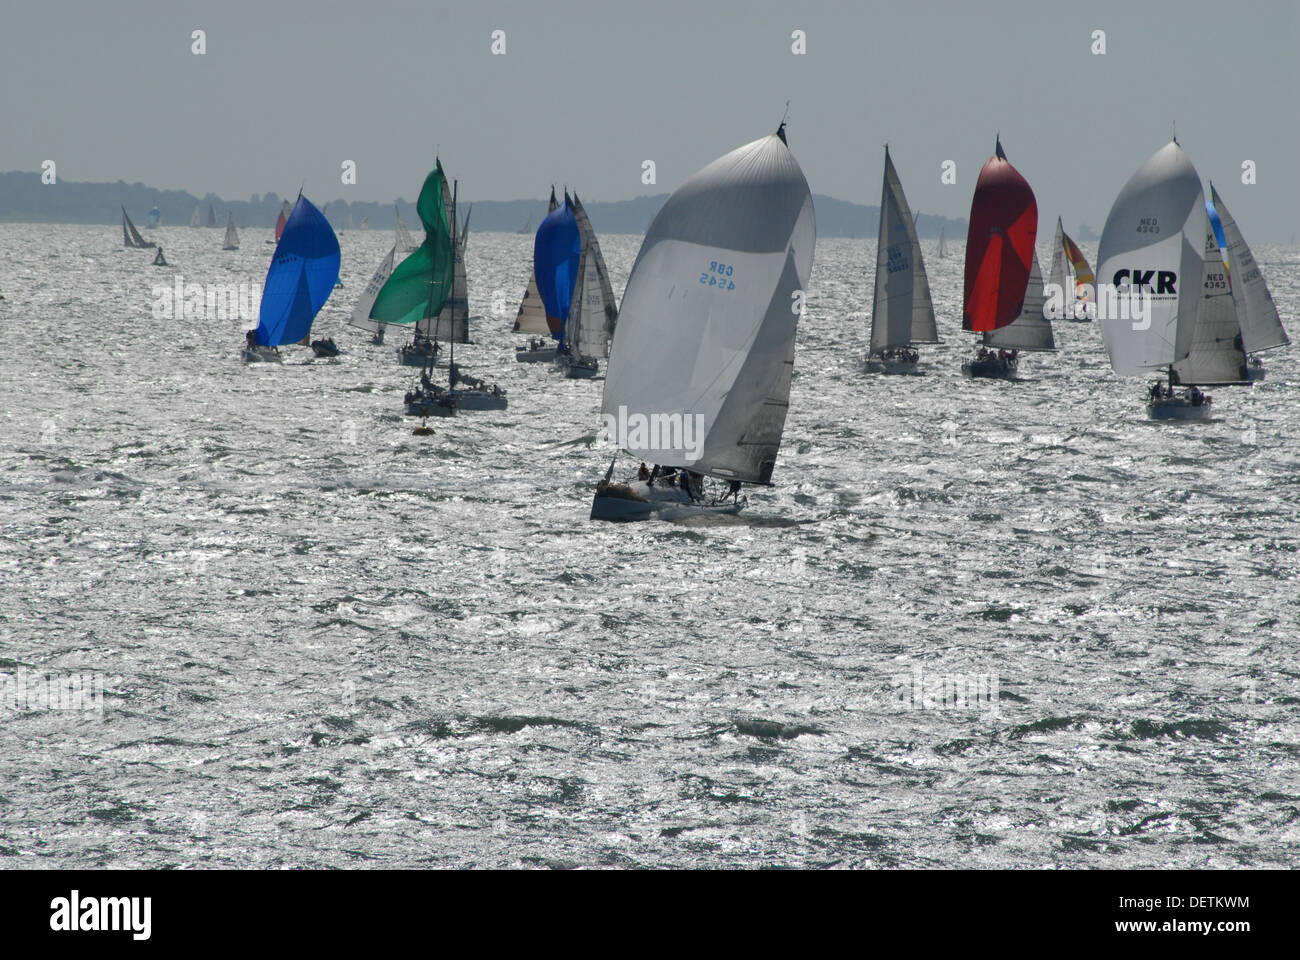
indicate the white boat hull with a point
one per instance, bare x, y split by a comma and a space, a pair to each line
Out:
637, 500
429, 407
583, 369
1256, 373
411, 356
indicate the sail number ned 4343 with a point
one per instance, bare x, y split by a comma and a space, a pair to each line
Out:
719, 275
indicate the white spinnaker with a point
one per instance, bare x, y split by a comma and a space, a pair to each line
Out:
1061, 273
361, 312
596, 312
1214, 355
1261, 327
1031, 330
903, 312
231, 241
1155, 233
707, 324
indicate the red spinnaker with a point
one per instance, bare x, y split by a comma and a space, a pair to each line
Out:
999, 246
285, 210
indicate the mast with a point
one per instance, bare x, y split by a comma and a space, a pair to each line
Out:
451, 340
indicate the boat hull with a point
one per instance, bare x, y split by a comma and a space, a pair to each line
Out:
1254, 374
583, 369
1179, 408
544, 355
901, 367
429, 407
630, 502
480, 400
412, 356
989, 369
260, 355
325, 348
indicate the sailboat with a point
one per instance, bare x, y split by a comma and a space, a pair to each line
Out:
285, 210
212, 215
155, 217
589, 328
531, 317
402, 245
159, 260
1152, 261
1261, 327
999, 258
131, 236
1073, 282
1031, 330
195, 218
231, 242
304, 269
903, 313
527, 228
699, 376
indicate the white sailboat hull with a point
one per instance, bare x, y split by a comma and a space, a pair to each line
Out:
893, 366
417, 354
990, 369
1256, 371
421, 405
480, 399
637, 500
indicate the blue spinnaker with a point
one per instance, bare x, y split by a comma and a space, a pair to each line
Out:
1217, 224
302, 277
556, 251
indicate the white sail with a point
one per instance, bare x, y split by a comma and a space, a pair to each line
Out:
1031, 330
1060, 274
232, 235
361, 312
943, 247
706, 330
595, 313
405, 244
1261, 327
903, 313
452, 322
1215, 354
195, 218
1153, 243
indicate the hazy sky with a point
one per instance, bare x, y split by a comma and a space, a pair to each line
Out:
586, 91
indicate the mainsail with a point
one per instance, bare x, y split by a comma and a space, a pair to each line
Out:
557, 249
232, 235
404, 242
1031, 330
999, 245
1153, 245
421, 283
706, 330
1070, 274
285, 211
361, 312
303, 272
1215, 354
1261, 327
195, 218
212, 215
943, 247
131, 236
532, 312
451, 323
155, 217
594, 314
903, 311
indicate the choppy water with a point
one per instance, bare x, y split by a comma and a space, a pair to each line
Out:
326, 641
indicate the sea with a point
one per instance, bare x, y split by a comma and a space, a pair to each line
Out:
972, 623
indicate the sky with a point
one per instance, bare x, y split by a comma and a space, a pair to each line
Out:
587, 91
